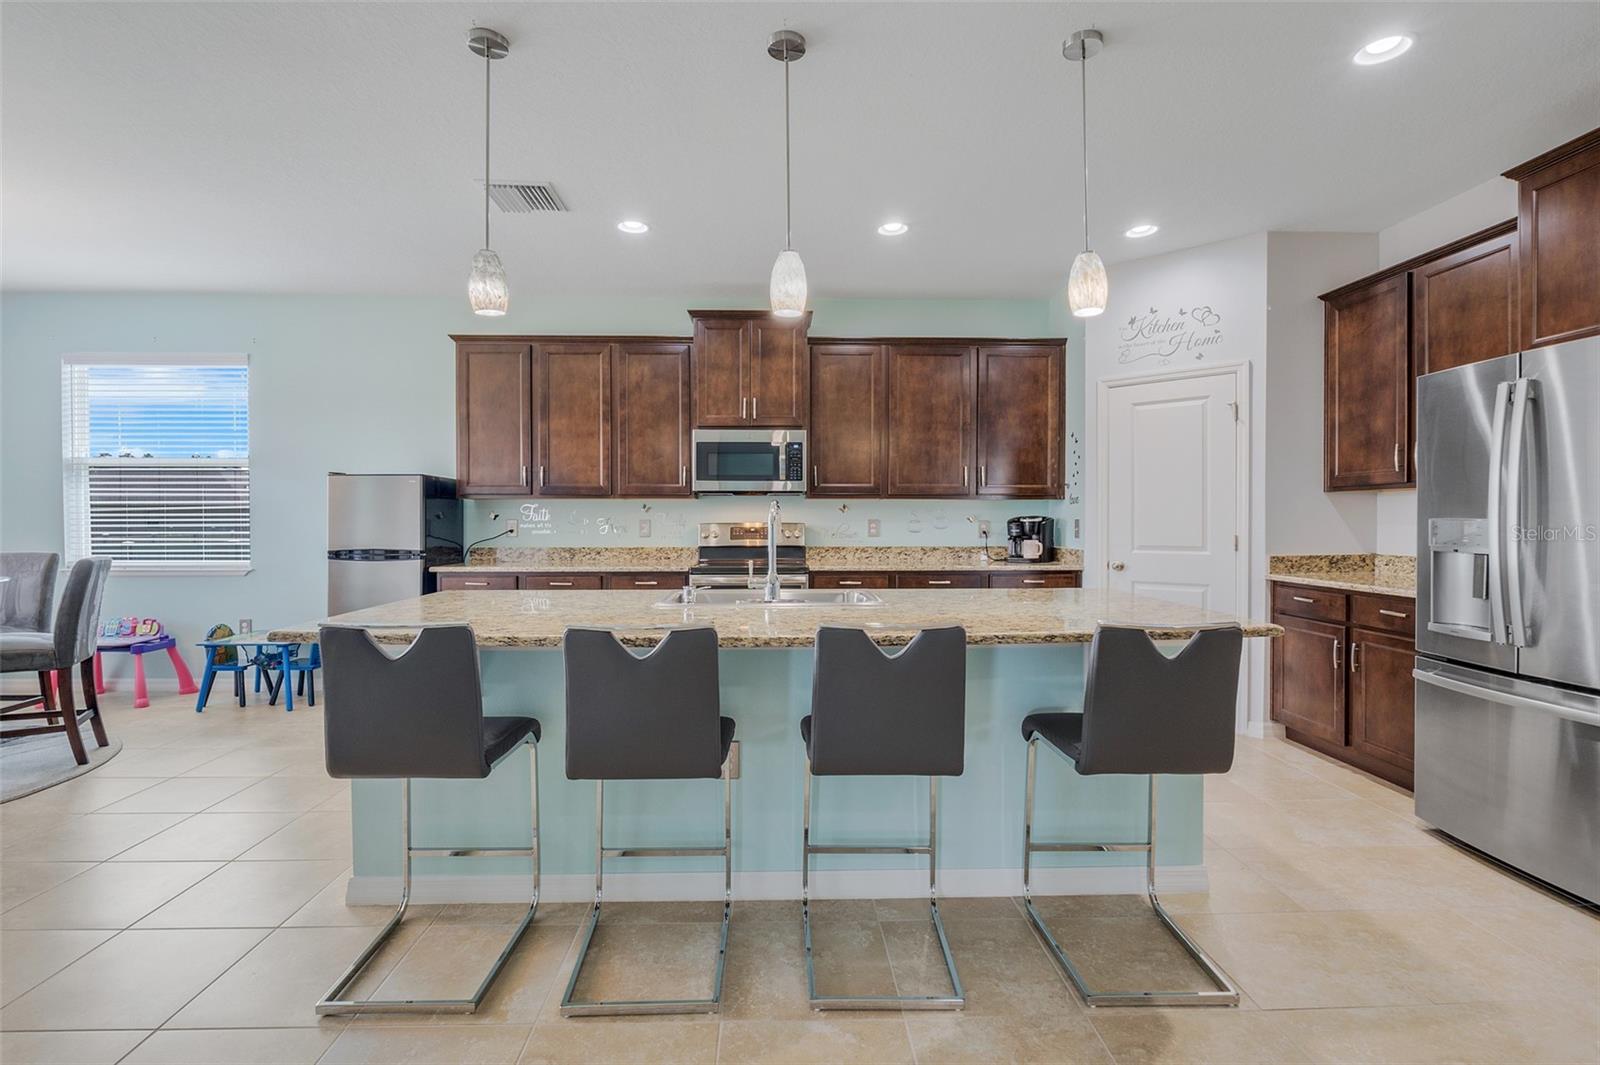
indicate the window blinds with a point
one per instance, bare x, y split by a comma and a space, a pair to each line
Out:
157, 461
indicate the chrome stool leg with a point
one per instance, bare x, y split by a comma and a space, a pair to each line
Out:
1225, 995
570, 1007
333, 1001
953, 1001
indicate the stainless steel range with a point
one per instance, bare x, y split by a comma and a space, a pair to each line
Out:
734, 554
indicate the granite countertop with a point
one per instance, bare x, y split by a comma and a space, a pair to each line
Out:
1383, 574
818, 559
536, 619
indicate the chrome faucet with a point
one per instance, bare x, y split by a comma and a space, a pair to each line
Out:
769, 591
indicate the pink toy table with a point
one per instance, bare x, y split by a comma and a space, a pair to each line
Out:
138, 648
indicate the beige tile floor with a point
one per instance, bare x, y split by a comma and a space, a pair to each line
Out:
185, 904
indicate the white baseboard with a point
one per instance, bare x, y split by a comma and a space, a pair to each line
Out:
851, 884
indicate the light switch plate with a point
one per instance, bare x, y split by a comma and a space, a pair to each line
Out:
874, 527
644, 528
1077, 530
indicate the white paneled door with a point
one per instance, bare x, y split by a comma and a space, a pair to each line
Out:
1173, 486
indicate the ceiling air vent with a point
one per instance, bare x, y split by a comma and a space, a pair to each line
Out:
525, 199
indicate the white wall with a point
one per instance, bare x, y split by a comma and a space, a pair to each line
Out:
1395, 519
1230, 278
1301, 518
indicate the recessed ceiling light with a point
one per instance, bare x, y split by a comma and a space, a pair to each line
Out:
1383, 49
632, 225
1143, 230
893, 229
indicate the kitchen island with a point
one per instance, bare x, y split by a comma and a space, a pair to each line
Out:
1025, 651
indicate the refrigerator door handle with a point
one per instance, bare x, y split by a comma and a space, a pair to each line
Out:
1511, 561
1496, 522
1569, 713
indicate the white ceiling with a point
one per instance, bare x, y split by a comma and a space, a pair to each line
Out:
327, 147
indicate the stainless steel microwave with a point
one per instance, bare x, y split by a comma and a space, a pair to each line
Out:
750, 460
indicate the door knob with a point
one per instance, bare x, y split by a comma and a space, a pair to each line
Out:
1118, 566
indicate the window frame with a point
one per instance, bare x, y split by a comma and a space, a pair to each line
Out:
74, 483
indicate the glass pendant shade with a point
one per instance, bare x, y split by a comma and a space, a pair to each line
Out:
486, 288
1086, 285
788, 289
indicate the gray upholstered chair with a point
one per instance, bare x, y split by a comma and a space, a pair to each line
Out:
872, 714
70, 642
28, 591
655, 717
1143, 713
418, 714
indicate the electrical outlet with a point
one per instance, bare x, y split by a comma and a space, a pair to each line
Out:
1077, 528
983, 528
874, 527
246, 625
511, 526
644, 528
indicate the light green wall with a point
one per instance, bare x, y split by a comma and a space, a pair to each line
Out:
366, 384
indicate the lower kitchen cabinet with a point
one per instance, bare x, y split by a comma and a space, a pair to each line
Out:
1341, 676
617, 581
1036, 580
455, 582
577, 582
852, 580
940, 580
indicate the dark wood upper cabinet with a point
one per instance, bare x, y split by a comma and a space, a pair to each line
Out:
750, 369
930, 441
1367, 385
494, 418
572, 390
779, 379
846, 438
650, 397
1558, 225
1464, 304
1020, 416
721, 397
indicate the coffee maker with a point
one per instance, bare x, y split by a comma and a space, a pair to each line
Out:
1031, 539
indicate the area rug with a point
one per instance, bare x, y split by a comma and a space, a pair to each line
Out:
33, 763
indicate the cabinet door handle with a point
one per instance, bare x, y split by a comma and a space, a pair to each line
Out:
1033, 580
744, 401
541, 475
1355, 658
964, 470
683, 476
524, 481
1302, 599
1338, 658
849, 584
816, 478
938, 582
753, 407
646, 584
1397, 457
474, 584
561, 584
983, 475
1393, 613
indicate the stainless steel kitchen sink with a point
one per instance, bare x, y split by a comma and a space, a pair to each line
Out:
751, 597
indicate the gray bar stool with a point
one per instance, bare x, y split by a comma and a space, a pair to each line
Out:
1143, 713
418, 715
652, 718
885, 715
69, 643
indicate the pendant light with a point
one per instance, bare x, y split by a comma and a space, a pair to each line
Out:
1087, 288
788, 288
486, 287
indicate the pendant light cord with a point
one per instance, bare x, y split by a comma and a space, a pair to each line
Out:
1083, 96
788, 195
488, 59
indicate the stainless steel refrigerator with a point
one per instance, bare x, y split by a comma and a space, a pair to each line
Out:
384, 531
1508, 606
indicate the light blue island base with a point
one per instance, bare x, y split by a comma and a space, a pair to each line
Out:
767, 692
